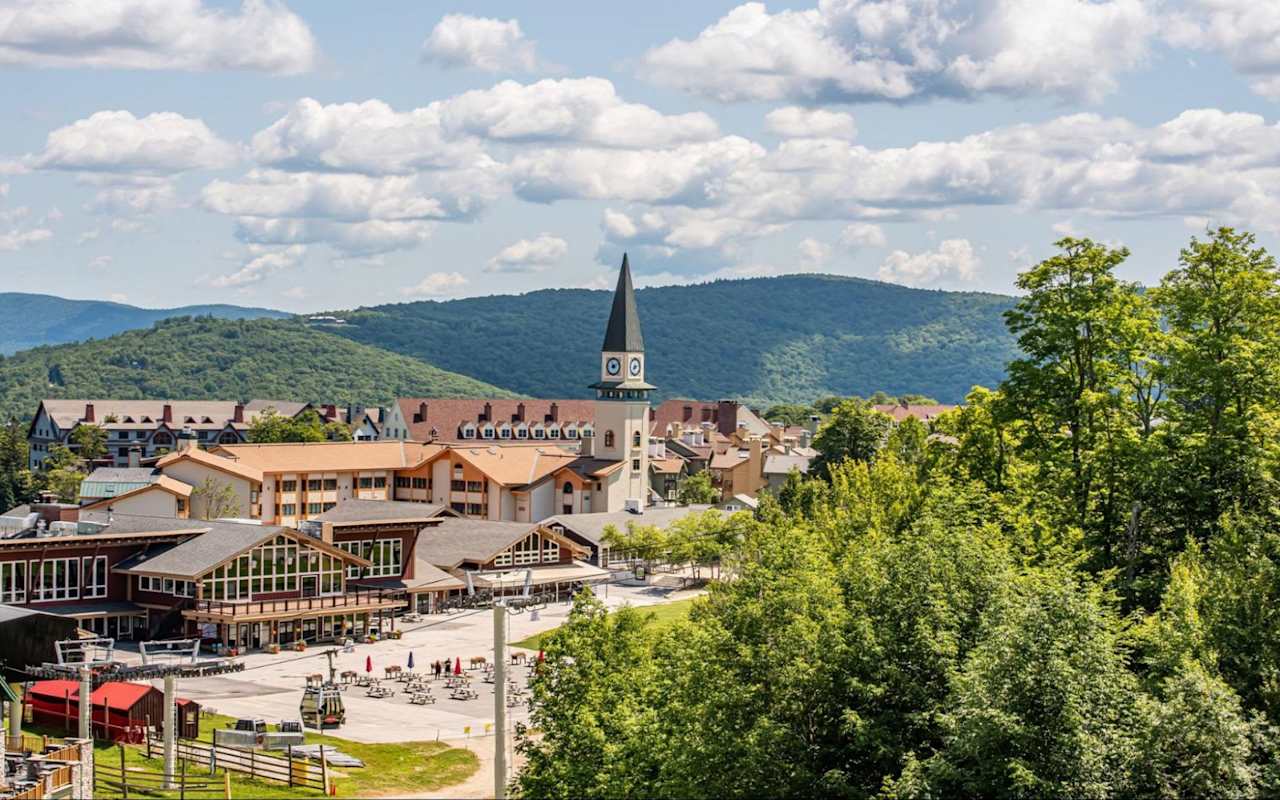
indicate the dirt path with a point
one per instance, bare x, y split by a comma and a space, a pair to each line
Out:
480, 784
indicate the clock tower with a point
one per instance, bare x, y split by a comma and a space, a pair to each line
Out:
622, 400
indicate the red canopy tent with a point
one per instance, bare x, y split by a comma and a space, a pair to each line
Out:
120, 711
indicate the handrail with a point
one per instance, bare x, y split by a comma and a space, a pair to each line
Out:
289, 604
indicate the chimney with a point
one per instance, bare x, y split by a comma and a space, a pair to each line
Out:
237, 415
421, 416
519, 412
706, 414
167, 415
487, 416
135, 456
687, 415
331, 411
88, 412
555, 412
814, 422
727, 416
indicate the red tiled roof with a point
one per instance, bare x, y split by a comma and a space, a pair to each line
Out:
924, 413
446, 416
116, 696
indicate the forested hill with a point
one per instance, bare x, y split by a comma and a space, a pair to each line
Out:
31, 320
763, 340
197, 358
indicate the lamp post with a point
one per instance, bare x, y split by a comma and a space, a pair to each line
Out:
499, 700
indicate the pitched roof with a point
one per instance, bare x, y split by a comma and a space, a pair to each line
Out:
729, 459
115, 695
454, 541
672, 464
356, 511
327, 456
623, 332
591, 526
163, 484
783, 464
445, 417
134, 414
122, 475
922, 412
516, 465
198, 456
425, 575
222, 542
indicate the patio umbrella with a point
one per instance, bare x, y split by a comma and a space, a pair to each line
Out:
410, 659
368, 663
541, 657
457, 665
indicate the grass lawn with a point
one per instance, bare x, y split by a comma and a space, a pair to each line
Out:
661, 615
391, 769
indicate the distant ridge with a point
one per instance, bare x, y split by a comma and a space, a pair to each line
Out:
31, 320
763, 340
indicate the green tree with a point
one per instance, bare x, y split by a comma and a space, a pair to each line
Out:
1044, 704
854, 431
697, 489
1071, 391
215, 499
309, 426
90, 441
789, 413
1222, 305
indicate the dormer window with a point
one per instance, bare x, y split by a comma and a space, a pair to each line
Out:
130, 420
189, 420
571, 432
588, 432
553, 433
468, 431
522, 431
504, 432
538, 432
487, 431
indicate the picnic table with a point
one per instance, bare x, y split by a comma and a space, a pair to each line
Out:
422, 698
464, 694
379, 691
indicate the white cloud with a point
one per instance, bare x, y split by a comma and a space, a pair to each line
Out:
126, 200
262, 264
1245, 32
493, 45
436, 284
794, 122
100, 262
264, 36
355, 239
859, 50
127, 225
529, 255
15, 239
863, 234
158, 144
953, 261
814, 253
342, 197
89, 236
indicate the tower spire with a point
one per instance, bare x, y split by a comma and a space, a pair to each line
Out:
623, 334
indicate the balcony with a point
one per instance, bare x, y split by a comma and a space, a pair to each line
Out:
352, 601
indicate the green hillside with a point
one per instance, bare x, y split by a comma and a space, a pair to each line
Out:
764, 340
194, 358
31, 320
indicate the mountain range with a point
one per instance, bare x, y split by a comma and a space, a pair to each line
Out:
31, 320
760, 340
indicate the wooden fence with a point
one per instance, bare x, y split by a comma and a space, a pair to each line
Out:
143, 782
294, 772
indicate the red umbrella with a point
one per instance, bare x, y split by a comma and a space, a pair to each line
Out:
368, 663
541, 657
457, 665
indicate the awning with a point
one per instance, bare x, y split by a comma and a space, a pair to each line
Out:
560, 573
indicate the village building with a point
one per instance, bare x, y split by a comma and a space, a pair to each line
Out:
152, 426
588, 530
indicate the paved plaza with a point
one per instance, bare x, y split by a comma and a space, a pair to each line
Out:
270, 686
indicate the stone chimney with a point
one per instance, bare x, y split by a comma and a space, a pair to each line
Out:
555, 412
519, 417
487, 414
237, 414
421, 415
726, 416
166, 414
135, 456
88, 412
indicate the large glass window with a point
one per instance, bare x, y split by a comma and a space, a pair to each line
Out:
384, 553
55, 579
95, 576
13, 582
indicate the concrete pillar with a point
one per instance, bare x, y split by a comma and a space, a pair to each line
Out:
15, 722
170, 732
499, 701
86, 704
82, 774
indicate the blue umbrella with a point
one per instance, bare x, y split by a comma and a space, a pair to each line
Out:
410, 659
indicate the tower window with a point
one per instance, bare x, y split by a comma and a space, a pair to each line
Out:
608, 438
635, 439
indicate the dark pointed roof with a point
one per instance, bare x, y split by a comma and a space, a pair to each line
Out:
623, 334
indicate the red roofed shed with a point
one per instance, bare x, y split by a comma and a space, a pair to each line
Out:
121, 711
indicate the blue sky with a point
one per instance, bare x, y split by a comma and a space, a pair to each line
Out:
327, 155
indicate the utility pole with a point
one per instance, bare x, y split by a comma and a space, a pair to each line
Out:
499, 700
86, 704
170, 735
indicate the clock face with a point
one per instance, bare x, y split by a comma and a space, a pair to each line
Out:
635, 367
612, 366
